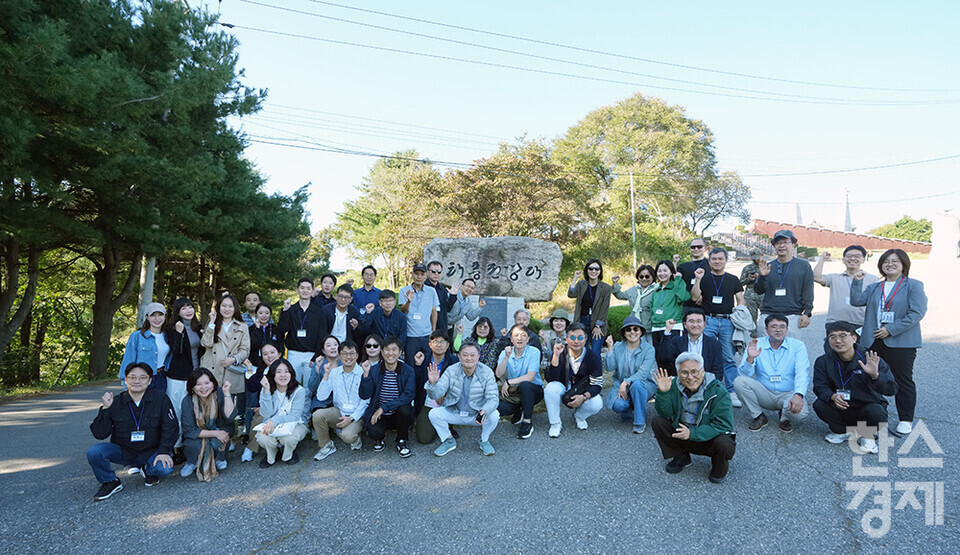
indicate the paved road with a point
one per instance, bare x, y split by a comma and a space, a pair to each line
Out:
600, 490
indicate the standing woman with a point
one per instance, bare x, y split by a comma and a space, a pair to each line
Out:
371, 349
226, 341
639, 296
281, 406
182, 333
148, 345
891, 325
483, 335
206, 422
666, 302
593, 302
262, 331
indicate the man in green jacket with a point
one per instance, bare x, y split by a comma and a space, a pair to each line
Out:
694, 416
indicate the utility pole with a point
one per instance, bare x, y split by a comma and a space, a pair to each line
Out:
633, 221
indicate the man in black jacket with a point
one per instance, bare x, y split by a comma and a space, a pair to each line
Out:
694, 321
572, 367
142, 428
342, 318
850, 386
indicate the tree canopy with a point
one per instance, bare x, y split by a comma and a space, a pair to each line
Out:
906, 228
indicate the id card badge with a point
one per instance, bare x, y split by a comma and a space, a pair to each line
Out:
363, 311
465, 414
589, 312
717, 299
137, 436
844, 394
847, 301
782, 292
775, 379
658, 311
693, 281
418, 316
301, 333
347, 410
248, 374
886, 317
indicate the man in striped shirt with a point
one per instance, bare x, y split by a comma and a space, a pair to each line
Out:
390, 387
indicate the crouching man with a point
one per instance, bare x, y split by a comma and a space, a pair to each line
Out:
694, 415
142, 428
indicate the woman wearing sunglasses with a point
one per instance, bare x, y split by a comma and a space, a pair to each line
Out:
371, 349
593, 302
639, 296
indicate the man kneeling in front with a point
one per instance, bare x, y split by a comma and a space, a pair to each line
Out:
694, 415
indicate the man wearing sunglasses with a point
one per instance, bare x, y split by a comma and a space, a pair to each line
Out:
698, 260
579, 371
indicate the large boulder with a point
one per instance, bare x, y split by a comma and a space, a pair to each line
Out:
502, 266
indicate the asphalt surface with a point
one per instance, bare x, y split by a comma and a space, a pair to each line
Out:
599, 490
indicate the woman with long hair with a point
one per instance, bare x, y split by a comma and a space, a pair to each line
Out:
666, 302
206, 421
281, 407
148, 345
593, 302
371, 349
226, 341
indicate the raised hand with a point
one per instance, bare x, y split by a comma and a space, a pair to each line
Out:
764, 267
872, 367
676, 259
615, 279
326, 375
265, 383
213, 314
330, 366
664, 381
669, 324
286, 304
609, 342
577, 274
418, 358
482, 303
859, 275
433, 373
350, 282
459, 329
179, 327
107, 399
409, 295
503, 332
226, 388
366, 368
369, 308
354, 323
753, 351
508, 351
825, 256
699, 273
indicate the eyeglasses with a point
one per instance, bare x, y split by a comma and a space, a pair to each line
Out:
645, 276
689, 374
435, 271
631, 329
576, 337
137, 379
372, 346
593, 269
438, 341
777, 327
843, 336
345, 297
697, 246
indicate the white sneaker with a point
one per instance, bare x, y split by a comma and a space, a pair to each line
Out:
555, 430
247, 455
836, 439
187, 469
232, 448
221, 465
904, 428
357, 445
581, 424
868, 445
325, 451
735, 400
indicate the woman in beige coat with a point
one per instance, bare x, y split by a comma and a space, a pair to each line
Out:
226, 340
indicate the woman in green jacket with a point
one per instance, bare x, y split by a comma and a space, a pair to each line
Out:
666, 303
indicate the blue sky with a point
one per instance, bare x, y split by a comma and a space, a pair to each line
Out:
455, 111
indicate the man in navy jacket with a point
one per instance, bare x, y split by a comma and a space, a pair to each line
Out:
342, 317
693, 340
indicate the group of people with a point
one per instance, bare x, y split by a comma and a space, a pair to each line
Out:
343, 362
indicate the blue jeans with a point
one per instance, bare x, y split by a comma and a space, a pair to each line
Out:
721, 329
595, 344
636, 406
101, 455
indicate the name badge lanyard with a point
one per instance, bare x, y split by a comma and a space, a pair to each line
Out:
717, 288
136, 420
592, 290
348, 389
843, 383
303, 317
887, 302
785, 272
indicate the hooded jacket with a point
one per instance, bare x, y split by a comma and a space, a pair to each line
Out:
714, 415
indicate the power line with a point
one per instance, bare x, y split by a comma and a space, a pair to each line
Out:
575, 76
848, 170
624, 56
571, 62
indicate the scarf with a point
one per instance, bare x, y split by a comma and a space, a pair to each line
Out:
205, 413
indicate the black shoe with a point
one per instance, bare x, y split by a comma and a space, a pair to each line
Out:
150, 480
678, 463
244, 439
264, 463
378, 445
786, 426
517, 417
715, 479
107, 489
526, 430
293, 460
453, 432
403, 450
178, 456
758, 423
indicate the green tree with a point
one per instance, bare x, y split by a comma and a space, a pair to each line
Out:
906, 228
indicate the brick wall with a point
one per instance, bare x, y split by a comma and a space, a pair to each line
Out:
827, 238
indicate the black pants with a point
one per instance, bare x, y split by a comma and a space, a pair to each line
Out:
399, 420
838, 420
530, 395
720, 449
901, 365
